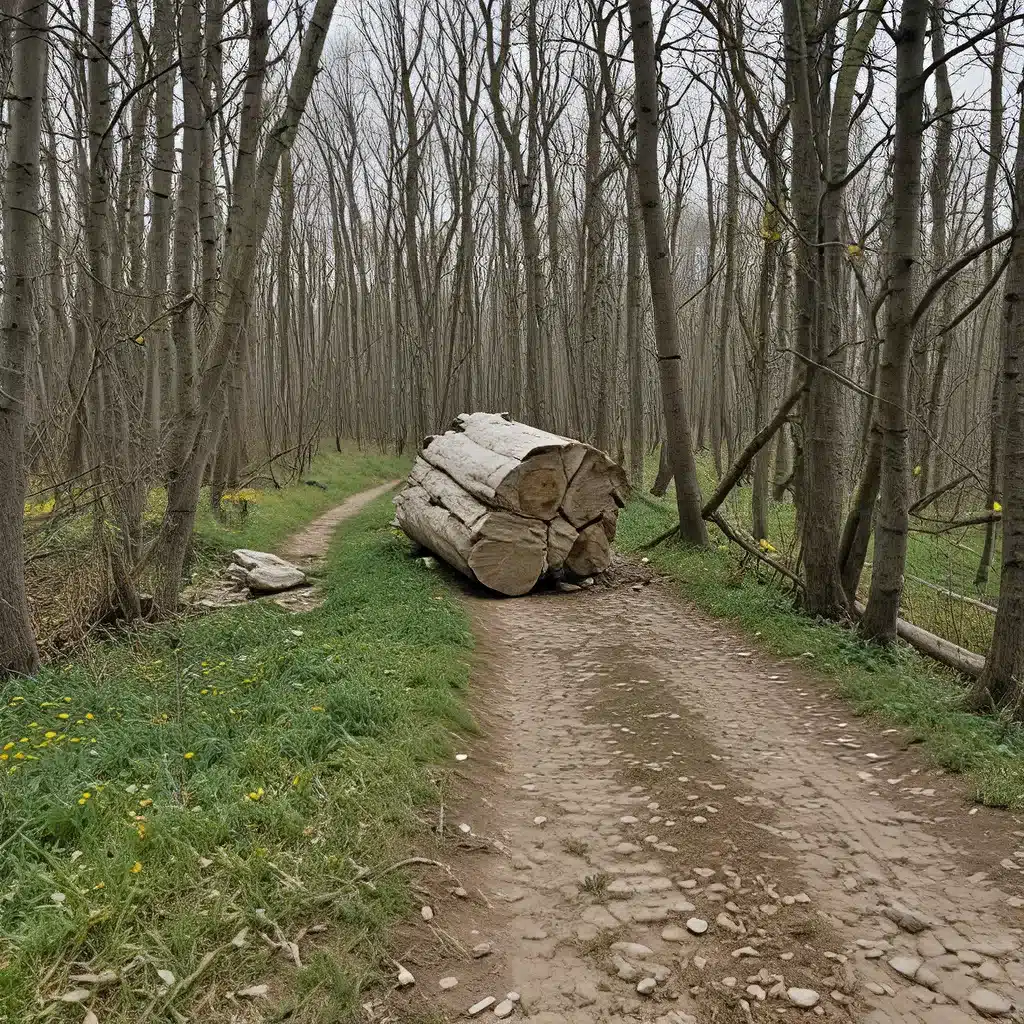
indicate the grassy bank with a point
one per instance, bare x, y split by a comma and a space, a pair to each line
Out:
64, 575
274, 514
937, 564
898, 685
234, 772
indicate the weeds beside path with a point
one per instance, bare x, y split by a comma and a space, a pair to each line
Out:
237, 772
900, 686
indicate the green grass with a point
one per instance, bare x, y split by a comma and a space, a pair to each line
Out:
277, 513
948, 561
898, 685
246, 765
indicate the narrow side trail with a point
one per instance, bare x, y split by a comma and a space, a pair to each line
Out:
667, 826
314, 540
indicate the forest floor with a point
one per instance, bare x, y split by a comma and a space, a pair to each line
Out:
191, 812
644, 774
751, 807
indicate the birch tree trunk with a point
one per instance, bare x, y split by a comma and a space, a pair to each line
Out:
22, 259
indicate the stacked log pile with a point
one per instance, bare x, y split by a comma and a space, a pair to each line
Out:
506, 503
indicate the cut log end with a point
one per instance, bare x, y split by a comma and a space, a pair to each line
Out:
505, 502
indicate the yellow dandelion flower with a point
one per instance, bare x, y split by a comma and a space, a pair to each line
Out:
3, 757
86, 795
996, 506
145, 803
20, 755
81, 802
256, 794
136, 867
100, 885
8, 746
67, 700
75, 739
190, 755
49, 735
63, 714
90, 716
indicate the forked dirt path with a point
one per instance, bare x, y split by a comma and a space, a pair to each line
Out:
641, 767
313, 541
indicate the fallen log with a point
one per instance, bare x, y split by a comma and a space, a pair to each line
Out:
506, 503
949, 654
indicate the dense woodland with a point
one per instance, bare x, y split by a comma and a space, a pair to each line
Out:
788, 236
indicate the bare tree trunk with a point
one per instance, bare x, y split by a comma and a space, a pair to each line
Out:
666, 327
879, 619
22, 259
251, 193
999, 684
995, 154
821, 482
634, 341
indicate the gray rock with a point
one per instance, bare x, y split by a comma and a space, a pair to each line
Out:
989, 1003
448, 983
928, 947
646, 986
624, 969
927, 977
632, 949
697, 925
673, 933
907, 919
481, 949
272, 579
504, 1009
905, 965
969, 957
805, 998
586, 993
484, 1003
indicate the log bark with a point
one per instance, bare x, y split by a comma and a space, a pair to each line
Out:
949, 654
505, 503
534, 487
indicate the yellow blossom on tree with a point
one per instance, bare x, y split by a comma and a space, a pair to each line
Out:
996, 507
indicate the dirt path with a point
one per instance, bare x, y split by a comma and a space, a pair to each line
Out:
314, 540
643, 774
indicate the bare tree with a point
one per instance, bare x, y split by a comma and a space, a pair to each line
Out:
22, 259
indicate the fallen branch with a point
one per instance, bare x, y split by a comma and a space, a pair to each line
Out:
980, 520
949, 654
411, 860
756, 443
953, 594
752, 548
922, 503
